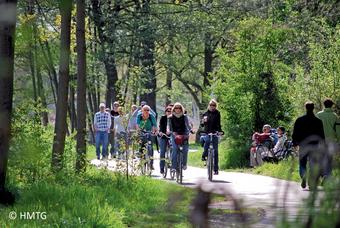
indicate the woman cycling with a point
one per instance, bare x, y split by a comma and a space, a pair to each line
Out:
163, 140
212, 124
178, 124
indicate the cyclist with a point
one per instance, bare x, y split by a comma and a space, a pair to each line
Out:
178, 124
146, 122
163, 140
212, 123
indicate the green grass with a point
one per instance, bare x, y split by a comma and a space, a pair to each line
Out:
194, 158
286, 170
100, 198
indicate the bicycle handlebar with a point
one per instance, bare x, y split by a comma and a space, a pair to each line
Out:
217, 133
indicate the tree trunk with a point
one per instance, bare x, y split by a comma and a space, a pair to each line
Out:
72, 106
109, 56
169, 77
81, 87
40, 84
148, 61
7, 40
31, 54
61, 107
41, 95
208, 58
112, 78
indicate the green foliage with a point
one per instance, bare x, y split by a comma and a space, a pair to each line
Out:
99, 199
252, 83
323, 80
95, 198
31, 146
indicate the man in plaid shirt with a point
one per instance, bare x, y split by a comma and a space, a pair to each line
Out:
102, 123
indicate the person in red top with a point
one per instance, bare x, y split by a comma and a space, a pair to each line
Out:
259, 138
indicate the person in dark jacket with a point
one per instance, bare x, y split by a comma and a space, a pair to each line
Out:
178, 124
308, 134
212, 123
163, 140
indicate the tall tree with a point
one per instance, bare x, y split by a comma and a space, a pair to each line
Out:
81, 86
148, 57
7, 30
106, 20
61, 107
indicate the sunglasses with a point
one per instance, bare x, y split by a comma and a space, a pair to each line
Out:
178, 108
213, 105
168, 110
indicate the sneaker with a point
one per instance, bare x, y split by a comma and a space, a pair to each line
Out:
204, 158
162, 171
173, 170
184, 167
216, 173
303, 183
98, 157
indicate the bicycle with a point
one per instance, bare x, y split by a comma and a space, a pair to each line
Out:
180, 140
167, 157
211, 153
146, 149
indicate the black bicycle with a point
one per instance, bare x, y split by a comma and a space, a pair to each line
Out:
146, 152
211, 153
167, 158
180, 141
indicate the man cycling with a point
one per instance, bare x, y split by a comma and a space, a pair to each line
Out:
146, 122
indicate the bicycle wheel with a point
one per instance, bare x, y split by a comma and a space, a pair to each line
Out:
179, 170
166, 161
172, 174
210, 164
148, 162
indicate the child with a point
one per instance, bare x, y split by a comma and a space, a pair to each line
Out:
279, 146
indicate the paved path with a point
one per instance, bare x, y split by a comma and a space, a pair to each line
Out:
270, 195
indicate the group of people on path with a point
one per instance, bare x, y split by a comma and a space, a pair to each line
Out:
316, 137
114, 125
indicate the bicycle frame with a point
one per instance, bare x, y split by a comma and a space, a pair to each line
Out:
146, 155
211, 155
167, 157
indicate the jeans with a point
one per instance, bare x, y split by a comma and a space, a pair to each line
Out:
215, 146
315, 158
163, 142
185, 150
102, 138
303, 166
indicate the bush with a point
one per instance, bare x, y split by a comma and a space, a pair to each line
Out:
233, 154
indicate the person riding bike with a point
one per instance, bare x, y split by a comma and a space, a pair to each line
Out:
146, 122
212, 123
178, 124
163, 140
